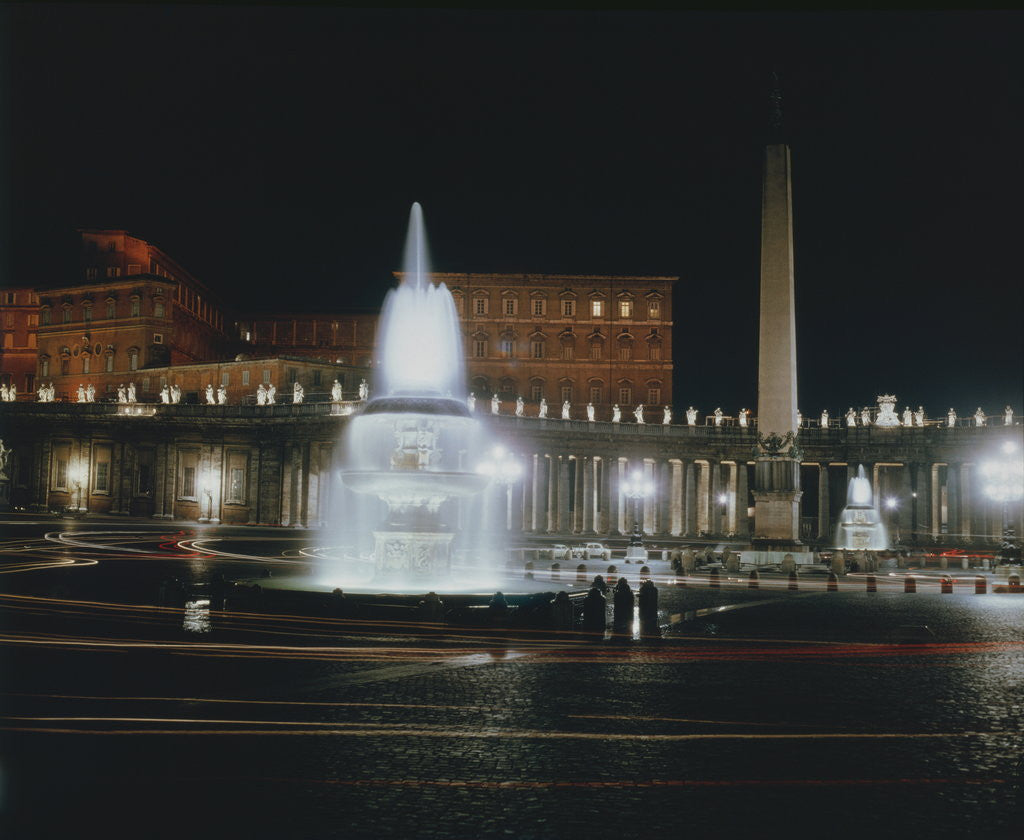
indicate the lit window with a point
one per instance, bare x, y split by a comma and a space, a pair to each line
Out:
188, 482
537, 349
85, 363
625, 308
539, 306
110, 363
655, 352
60, 474
245, 377
597, 308
111, 309
44, 368
145, 383
654, 396
65, 367
102, 477
236, 486
568, 308
133, 359
511, 306
158, 338
480, 306
654, 309
136, 308
225, 378
158, 309
45, 317
266, 377
86, 313
479, 348
67, 316
113, 271
91, 273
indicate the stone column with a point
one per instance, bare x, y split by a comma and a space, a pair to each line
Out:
564, 520
252, 484
529, 474
824, 514
613, 469
966, 500
676, 525
159, 476
953, 501
922, 501
217, 482
553, 478
42, 472
691, 498
311, 515
588, 494
514, 501
577, 497
905, 508
540, 494
650, 521
714, 506
742, 500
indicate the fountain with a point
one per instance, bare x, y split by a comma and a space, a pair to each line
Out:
860, 525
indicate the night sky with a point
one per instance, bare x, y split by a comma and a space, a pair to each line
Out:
274, 151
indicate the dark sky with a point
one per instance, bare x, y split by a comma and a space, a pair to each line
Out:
275, 151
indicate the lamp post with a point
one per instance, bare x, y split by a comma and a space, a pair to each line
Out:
77, 474
637, 488
1003, 479
503, 467
206, 489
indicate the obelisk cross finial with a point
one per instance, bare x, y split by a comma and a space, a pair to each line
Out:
775, 107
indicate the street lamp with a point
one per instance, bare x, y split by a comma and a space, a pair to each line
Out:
1004, 483
77, 474
636, 488
891, 505
206, 489
503, 467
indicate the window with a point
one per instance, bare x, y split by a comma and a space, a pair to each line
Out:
111, 246
568, 352
134, 268
266, 377
655, 350
654, 395
537, 349
110, 362
8, 341
65, 367
317, 377
45, 317
60, 468
625, 309
158, 338
292, 375
225, 378
625, 395
654, 309
238, 463
597, 308
507, 348
479, 348
33, 319
133, 359
145, 384
101, 470
67, 315
85, 363
568, 308
136, 308
595, 394
188, 461
511, 306
480, 306
245, 377
625, 352
91, 273
539, 306
113, 271
10, 298
9, 319
536, 392
158, 309
596, 350
144, 480
111, 309
44, 368
87, 313
188, 482
566, 392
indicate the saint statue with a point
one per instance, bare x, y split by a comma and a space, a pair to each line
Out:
297, 394
222, 395
590, 412
565, 410
1007, 416
718, 416
865, 417
261, 395
165, 395
951, 419
666, 418
520, 405
131, 392
616, 414
364, 391
851, 417
175, 393
743, 417
824, 419
471, 402
495, 404
4, 393
210, 399
81, 393
271, 393
542, 411
979, 417
691, 416
799, 419
122, 394
336, 391
908, 416
638, 413
90, 392
919, 416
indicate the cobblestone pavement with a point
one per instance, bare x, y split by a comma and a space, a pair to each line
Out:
795, 714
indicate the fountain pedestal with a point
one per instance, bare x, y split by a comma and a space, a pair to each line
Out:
412, 555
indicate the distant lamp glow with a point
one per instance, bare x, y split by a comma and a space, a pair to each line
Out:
637, 487
1004, 479
722, 498
890, 503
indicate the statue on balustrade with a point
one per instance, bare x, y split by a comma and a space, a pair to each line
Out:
131, 392
271, 394
222, 395
364, 391
667, 416
298, 394
718, 416
80, 395
520, 405
919, 416
336, 391
495, 404
590, 412
565, 410
691, 416
979, 417
638, 413
851, 417
165, 395
616, 414
865, 417
908, 416
210, 398
542, 409
261, 395
90, 392
824, 419
1007, 416
951, 419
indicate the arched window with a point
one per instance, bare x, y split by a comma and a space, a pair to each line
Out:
654, 392
133, 358
595, 391
625, 392
536, 389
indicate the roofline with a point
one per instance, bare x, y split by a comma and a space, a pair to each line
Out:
639, 278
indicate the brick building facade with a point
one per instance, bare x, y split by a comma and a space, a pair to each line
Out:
20, 326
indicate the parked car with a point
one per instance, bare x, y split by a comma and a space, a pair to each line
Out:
597, 551
560, 552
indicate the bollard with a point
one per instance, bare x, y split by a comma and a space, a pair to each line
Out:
645, 571
980, 585
599, 584
497, 609
755, 580
909, 584
556, 571
793, 580
561, 611
338, 605
872, 584
1014, 583
833, 583
611, 571
594, 610
581, 573
648, 600
622, 609
946, 586
713, 581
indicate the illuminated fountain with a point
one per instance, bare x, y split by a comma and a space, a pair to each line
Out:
414, 445
860, 525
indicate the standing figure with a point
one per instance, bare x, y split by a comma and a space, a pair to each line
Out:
261, 395
131, 392
122, 394
951, 419
616, 414
297, 394
824, 419
542, 411
979, 417
336, 391
799, 419
210, 398
919, 416
519, 406
590, 412
908, 416
471, 402
638, 413
222, 395
271, 394
565, 410
175, 393
718, 416
90, 392
865, 417
165, 395
495, 404
1007, 415
364, 391
851, 418
743, 417
691, 416
666, 418
81, 393
4, 394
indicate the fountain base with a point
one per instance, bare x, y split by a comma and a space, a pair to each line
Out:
414, 556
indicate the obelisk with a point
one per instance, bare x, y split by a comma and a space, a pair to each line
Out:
777, 474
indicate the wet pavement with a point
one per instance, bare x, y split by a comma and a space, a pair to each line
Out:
792, 712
